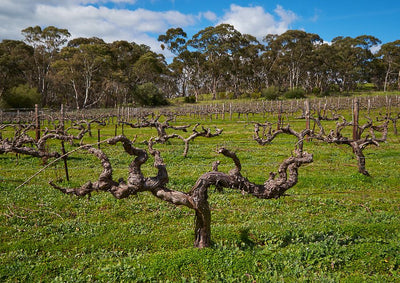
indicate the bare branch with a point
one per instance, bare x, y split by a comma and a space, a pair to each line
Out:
269, 135
335, 136
197, 197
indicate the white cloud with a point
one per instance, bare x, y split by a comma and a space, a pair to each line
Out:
111, 1
81, 20
209, 16
87, 18
287, 16
256, 21
375, 49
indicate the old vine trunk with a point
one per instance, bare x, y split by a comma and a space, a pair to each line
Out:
197, 198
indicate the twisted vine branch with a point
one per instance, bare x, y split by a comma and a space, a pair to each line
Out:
357, 145
197, 197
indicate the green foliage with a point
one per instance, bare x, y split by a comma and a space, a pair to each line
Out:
215, 59
149, 95
190, 99
22, 96
335, 225
316, 91
252, 95
295, 93
366, 87
270, 93
225, 95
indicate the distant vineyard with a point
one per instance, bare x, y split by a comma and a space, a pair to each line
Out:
226, 110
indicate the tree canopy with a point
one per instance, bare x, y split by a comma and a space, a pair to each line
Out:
219, 60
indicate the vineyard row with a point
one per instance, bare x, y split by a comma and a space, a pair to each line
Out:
225, 110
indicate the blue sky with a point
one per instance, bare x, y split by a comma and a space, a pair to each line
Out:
326, 18
142, 21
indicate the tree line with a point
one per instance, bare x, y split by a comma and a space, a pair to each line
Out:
48, 68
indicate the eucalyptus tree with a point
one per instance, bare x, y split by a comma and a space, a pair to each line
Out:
175, 41
251, 64
244, 50
46, 44
323, 68
82, 65
389, 54
351, 60
149, 68
15, 65
293, 52
188, 66
269, 57
215, 43
136, 71
118, 83
366, 43
194, 69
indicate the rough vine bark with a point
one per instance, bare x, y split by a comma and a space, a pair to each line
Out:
335, 136
393, 119
161, 127
204, 133
163, 137
197, 198
268, 135
22, 143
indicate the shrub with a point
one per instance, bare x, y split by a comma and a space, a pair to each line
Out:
149, 95
316, 90
295, 93
22, 96
225, 95
334, 89
320, 92
190, 99
325, 93
255, 95
366, 87
270, 93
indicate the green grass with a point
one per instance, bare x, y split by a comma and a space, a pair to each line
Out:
335, 224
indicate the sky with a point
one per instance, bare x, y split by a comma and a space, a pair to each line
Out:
143, 21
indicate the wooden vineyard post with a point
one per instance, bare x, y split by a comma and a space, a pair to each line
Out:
62, 116
263, 109
65, 160
89, 130
98, 138
355, 118
307, 115
279, 115
37, 123
369, 106
325, 106
118, 115
62, 144
388, 106
319, 108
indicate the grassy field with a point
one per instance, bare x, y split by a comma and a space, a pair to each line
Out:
335, 224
